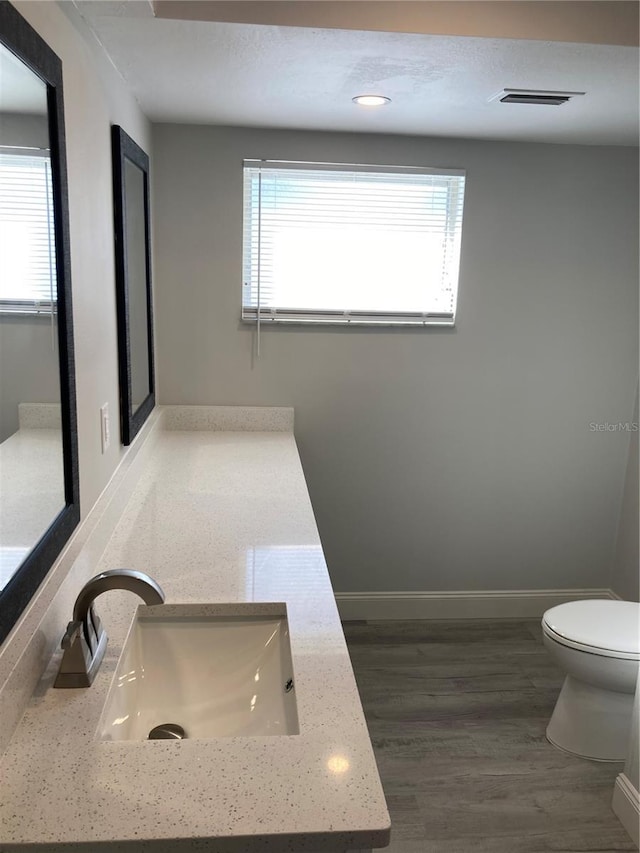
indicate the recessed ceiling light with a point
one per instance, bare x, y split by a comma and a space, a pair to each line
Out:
371, 100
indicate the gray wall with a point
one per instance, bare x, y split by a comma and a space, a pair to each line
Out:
24, 129
436, 460
625, 574
28, 367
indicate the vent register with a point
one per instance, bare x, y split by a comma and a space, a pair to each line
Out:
534, 96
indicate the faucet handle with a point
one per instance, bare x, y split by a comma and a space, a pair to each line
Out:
71, 634
80, 661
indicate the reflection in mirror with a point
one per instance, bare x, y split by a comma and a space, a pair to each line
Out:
135, 224
39, 500
31, 469
133, 282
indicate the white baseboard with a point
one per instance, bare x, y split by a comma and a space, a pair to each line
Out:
488, 604
626, 805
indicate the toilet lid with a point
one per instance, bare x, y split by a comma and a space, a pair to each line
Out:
605, 627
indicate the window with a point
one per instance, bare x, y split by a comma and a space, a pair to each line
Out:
27, 250
351, 244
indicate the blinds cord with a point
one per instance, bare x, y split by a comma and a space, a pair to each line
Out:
259, 258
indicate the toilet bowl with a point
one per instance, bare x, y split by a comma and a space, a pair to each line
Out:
597, 643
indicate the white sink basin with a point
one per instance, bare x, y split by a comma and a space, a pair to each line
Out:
216, 670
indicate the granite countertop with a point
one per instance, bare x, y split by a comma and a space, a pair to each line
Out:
214, 517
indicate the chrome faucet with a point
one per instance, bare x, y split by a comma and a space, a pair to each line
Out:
85, 639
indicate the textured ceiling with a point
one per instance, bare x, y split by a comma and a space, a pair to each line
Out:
301, 77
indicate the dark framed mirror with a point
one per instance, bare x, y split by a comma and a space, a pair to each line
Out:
39, 483
133, 282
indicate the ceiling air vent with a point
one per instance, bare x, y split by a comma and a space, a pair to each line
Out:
533, 96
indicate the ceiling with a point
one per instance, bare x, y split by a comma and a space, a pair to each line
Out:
610, 22
304, 76
21, 91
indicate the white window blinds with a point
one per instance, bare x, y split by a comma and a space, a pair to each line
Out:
27, 248
351, 244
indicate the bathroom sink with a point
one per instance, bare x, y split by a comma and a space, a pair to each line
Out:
203, 671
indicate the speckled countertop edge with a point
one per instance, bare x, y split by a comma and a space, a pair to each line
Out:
316, 791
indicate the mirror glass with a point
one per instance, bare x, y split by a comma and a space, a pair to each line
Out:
135, 219
39, 476
32, 485
133, 282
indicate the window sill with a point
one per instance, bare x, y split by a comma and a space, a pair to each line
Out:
27, 308
353, 320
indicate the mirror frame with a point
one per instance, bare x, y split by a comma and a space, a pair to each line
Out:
124, 148
18, 36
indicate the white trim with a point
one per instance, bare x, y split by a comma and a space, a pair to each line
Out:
485, 604
343, 318
626, 805
299, 165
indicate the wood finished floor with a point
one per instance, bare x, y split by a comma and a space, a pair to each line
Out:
457, 713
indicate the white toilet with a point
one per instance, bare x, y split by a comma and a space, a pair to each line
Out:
597, 643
